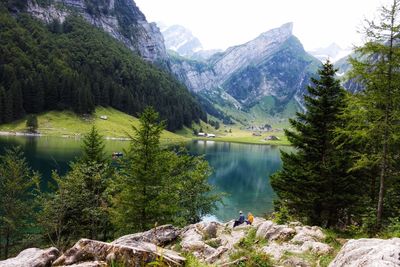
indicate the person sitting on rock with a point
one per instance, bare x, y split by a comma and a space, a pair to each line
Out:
250, 218
241, 219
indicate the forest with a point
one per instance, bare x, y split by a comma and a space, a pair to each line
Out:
72, 65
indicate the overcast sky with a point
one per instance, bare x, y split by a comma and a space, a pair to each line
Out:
223, 23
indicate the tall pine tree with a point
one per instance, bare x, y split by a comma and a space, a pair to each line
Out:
314, 184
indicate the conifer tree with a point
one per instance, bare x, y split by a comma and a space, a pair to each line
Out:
157, 185
313, 183
93, 147
374, 113
78, 208
16, 209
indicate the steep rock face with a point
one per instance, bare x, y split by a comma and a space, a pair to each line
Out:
369, 253
272, 65
122, 19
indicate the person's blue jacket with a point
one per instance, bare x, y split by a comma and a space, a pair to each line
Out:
241, 218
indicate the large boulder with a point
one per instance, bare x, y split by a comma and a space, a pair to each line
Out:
32, 257
369, 253
136, 254
159, 236
271, 231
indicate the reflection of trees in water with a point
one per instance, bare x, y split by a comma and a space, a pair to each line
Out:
243, 172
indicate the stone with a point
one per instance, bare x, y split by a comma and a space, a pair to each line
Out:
313, 231
160, 236
295, 262
32, 257
263, 229
316, 247
369, 253
138, 254
210, 230
216, 255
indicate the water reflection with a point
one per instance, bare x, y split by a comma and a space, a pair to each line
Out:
240, 170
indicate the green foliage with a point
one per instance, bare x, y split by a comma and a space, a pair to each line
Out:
314, 184
372, 116
16, 197
72, 65
79, 206
192, 261
93, 147
32, 123
159, 186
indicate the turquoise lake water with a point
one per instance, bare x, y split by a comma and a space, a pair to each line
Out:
240, 170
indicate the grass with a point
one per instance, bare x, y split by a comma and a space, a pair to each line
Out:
69, 124
237, 135
119, 125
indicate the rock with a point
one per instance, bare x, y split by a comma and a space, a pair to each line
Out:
280, 232
263, 229
216, 255
277, 250
86, 250
160, 236
313, 231
90, 264
316, 247
210, 230
301, 238
32, 257
295, 262
369, 253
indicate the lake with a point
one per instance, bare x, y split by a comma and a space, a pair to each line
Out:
240, 170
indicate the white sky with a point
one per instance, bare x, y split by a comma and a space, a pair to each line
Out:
224, 23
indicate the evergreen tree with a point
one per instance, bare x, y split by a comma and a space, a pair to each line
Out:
374, 113
93, 147
80, 201
313, 183
16, 209
158, 185
32, 123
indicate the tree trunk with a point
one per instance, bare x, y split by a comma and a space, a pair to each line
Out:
381, 189
7, 244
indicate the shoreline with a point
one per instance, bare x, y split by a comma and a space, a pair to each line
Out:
79, 136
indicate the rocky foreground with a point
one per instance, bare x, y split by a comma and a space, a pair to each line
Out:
217, 244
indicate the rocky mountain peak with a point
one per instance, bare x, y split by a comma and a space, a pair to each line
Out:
285, 30
181, 40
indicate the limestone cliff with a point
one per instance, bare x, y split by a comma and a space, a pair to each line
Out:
272, 65
122, 19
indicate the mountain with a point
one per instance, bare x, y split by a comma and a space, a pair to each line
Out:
122, 19
181, 40
333, 51
67, 64
264, 77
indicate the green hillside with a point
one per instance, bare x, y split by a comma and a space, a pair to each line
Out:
69, 124
75, 66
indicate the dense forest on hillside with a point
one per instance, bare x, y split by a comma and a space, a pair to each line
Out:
72, 65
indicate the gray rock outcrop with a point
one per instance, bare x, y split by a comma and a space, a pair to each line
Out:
32, 257
369, 253
89, 251
160, 236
